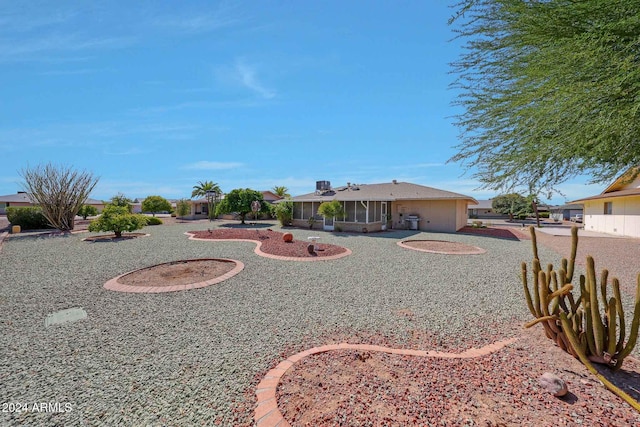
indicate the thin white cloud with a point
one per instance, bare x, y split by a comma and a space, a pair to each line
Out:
206, 165
197, 24
246, 74
57, 43
225, 14
79, 71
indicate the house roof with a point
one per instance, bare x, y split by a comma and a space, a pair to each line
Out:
622, 181
626, 185
482, 204
24, 198
612, 194
382, 192
15, 198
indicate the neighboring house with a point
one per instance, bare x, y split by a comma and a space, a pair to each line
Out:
408, 206
617, 209
569, 211
22, 199
484, 210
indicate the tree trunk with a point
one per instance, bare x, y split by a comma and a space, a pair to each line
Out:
534, 205
118, 234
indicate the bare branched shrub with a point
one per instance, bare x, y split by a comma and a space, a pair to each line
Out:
59, 191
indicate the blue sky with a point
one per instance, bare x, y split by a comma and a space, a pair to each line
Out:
153, 97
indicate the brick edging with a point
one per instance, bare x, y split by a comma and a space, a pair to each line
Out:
267, 413
258, 251
475, 251
114, 285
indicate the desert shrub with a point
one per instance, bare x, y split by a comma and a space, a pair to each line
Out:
122, 201
28, 218
87, 210
183, 208
284, 212
118, 219
154, 221
59, 191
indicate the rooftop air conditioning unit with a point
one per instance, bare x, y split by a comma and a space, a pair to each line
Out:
323, 186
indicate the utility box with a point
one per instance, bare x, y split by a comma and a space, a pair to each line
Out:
15, 229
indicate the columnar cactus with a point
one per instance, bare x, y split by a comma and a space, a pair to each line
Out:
577, 325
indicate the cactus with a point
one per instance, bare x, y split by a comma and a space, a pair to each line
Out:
577, 325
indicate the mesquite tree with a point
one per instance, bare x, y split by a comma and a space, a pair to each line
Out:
548, 89
59, 191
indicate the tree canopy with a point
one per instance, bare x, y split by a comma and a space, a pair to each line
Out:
549, 90
155, 204
239, 201
512, 204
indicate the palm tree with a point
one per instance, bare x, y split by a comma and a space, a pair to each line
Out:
281, 191
205, 189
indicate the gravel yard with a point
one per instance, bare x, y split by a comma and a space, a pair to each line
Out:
195, 357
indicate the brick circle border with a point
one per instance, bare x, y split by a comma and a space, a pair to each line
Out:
267, 413
474, 251
259, 251
114, 285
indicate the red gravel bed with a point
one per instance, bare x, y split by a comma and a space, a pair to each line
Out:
272, 242
346, 387
510, 233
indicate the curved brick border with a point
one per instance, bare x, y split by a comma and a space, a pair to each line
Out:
267, 413
475, 251
258, 251
114, 285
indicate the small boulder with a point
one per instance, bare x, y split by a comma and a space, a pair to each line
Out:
311, 249
287, 237
553, 384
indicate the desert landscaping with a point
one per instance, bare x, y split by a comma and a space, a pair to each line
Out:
205, 356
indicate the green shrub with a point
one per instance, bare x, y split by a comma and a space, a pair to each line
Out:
543, 214
87, 210
154, 221
118, 219
284, 212
183, 208
28, 218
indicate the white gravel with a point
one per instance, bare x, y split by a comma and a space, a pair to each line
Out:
188, 358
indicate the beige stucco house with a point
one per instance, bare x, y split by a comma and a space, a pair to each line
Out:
22, 199
374, 207
617, 209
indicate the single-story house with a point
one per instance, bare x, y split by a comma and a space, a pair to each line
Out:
375, 207
569, 210
617, 209
21, 198
200, 207
484, 210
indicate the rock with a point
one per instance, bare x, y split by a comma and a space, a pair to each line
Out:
311, 249
287, 237
553, 384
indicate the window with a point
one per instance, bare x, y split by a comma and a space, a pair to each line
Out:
608, 208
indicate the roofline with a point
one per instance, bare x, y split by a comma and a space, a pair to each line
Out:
611, 195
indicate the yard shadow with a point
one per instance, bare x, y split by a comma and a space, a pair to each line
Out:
495, 233
625, 380
248, 224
